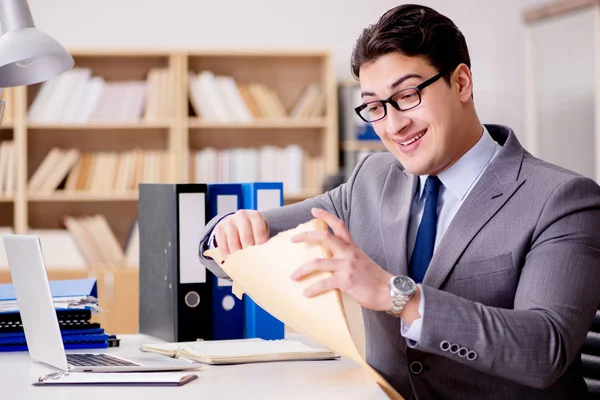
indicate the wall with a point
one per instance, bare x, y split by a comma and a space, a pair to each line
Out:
493, 30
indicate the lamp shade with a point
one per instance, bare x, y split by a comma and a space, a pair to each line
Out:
27, 55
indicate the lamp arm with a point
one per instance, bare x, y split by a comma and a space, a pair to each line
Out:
15, 14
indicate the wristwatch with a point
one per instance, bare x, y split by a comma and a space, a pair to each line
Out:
402, 288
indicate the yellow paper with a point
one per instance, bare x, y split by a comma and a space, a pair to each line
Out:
333, 320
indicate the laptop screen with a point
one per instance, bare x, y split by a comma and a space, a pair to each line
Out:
28, 272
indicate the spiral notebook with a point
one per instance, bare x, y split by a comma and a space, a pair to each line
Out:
240, 351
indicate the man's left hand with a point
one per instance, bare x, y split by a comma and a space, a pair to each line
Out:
353, 271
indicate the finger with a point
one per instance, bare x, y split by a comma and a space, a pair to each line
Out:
260, 228
337, 225
316, 265
322, 286
233, 238
332, 243
246, 232
221, 241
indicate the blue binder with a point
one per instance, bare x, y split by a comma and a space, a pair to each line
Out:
63, 288
68, 333
257, 322
67, 337
227, 310
85, 289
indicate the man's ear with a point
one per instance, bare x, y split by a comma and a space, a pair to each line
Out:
461, 80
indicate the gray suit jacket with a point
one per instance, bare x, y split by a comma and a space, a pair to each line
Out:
512, 287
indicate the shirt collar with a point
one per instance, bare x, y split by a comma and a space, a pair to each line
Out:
463, 173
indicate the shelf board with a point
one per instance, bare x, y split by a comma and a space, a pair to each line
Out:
103, 125
8, 124
260, 124
363, 145
60, 195
7, 199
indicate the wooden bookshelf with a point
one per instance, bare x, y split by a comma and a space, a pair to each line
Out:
288, 74
180, 134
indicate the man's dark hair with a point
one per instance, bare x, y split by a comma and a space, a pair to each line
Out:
413, 30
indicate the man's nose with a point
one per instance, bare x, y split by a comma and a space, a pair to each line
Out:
396, 120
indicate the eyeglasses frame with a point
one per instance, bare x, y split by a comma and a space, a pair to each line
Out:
393, 103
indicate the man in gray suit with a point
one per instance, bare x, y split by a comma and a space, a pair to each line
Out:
475, 263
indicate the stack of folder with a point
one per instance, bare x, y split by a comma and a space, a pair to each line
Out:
75, 302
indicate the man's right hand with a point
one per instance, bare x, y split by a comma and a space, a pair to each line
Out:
240, 230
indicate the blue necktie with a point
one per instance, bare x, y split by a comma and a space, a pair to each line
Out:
425, 241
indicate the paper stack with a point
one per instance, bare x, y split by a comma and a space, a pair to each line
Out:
333, 319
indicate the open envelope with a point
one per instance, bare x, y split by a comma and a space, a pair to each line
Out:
333, 319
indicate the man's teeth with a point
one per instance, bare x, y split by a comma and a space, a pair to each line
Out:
419, 136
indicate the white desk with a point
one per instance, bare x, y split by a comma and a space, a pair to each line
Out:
337, 379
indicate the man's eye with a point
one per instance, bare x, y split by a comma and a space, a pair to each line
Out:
375, 108
408, 96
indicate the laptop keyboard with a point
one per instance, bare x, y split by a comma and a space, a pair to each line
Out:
97, 360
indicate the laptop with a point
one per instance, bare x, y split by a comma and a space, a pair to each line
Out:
40, 323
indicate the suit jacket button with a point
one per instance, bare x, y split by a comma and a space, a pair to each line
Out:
471, 355
416, 367
463, 351
454, 348
445, 345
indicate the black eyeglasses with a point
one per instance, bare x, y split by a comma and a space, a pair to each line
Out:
404, 100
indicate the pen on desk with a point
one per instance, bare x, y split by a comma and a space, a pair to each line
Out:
53, 375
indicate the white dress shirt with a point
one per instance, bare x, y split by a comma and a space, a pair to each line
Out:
457, 182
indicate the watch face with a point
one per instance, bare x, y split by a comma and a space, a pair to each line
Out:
404, 284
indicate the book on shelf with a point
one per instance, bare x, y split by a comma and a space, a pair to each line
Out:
59, 249
132, 250
297, 169
99, 172
220, 98
7, 168
311, 104
159, 102
4, 230
240, 351
87, 241
96, 240
79, 97
9, 108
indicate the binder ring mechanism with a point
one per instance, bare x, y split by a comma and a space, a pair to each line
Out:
54, 375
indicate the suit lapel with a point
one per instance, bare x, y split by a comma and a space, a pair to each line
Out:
495, 187
396, 201
482, 203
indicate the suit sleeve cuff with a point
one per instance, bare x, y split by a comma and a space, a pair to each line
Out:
412, 332
211, 242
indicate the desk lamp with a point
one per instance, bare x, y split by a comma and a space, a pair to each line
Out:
27, 55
